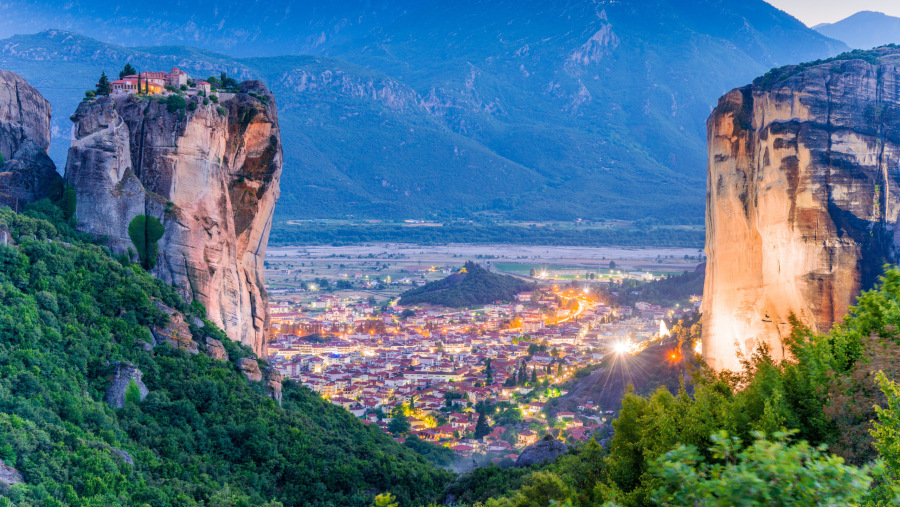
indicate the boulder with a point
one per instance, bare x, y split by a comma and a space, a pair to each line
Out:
9, 476
177, 333
547, 449
124, 455
273, 383
122, 377
215, 349
250, 368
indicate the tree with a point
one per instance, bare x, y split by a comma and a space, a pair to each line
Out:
534, 376
103, 86
559, 370
67, 203
128, 70
145, 231
612, 265
139, 84
532, 273
510, 380
399, 424
132, 393
482, 427
768, 472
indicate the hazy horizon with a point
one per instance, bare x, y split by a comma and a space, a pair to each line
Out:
816, 12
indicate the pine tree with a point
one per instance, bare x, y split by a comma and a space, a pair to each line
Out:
523, 374
127, 71
482, 428
139, 84
103, 86
534, 376
559, 370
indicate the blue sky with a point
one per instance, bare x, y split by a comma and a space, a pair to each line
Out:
813, 12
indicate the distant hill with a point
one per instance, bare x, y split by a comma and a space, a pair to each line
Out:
528, 109
864, 30
471, 286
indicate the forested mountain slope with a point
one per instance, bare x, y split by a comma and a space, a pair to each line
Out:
72, 319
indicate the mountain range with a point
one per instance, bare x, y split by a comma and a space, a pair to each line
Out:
525, 110
864, 30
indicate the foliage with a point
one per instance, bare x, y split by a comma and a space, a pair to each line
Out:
68, 202
203, 436
674, 448
399, 424
103, 86
175, 103
128, 70
767, 472
436, 454
133, 393
473, 285
145, 231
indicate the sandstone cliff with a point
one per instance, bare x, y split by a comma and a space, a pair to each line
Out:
209, 173
803, 200
26, 171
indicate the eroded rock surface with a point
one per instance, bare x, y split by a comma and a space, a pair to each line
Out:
124, 374
9, 476
210, 178
803, 200
216, 350
177, 332
250, 368
27, 174
544, 450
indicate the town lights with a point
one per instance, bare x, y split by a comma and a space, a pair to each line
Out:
621, 348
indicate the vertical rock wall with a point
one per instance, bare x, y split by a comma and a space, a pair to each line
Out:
210, 178
802, 203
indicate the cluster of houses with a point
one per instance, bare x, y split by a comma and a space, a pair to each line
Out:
154, 83
370, 360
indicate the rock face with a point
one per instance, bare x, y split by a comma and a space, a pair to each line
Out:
27, 173
803, 200
9, 476
250, 368
209, 173
177, 333
215, 349
541, 451
124, 374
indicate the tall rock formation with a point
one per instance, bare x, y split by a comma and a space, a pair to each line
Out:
26, 171
803, 199
208, 172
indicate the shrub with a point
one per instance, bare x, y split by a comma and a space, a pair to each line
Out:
183, 87
144, 232
175, 103
192, 106
221, 110
214, 98
90, 94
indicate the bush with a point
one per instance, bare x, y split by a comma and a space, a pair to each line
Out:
175, 103
90, 94
221, 110
183, 87
145, 231
213, 97
192, 106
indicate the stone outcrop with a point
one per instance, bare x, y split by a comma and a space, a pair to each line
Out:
215, 349
544, 450
803, 200
273, 384
27, 173
177, 333
124, 374
250, 368
9, 476
208, 172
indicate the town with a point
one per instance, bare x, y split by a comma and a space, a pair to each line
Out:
479, 381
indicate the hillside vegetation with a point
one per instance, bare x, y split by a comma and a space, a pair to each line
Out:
203, 435
819, 429
471, 286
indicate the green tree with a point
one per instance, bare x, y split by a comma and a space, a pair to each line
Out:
482, 427
68, 202
399, 424
886, 431
145, 231
103, 86
128, 70
139, 84
175, 103
534, 376
765, 473
133, 393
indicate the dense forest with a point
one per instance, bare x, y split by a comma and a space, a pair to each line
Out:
822, 428
204, 435
471, 286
